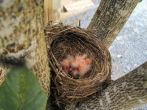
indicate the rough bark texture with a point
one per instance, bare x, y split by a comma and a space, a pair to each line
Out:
110, 17
125, 93
52, 11
22, 35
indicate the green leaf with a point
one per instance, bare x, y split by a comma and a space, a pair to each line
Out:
21, 91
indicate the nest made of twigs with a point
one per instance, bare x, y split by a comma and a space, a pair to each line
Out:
65, 40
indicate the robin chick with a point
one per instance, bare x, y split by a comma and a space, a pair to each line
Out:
66, 63
81, 64
77, 66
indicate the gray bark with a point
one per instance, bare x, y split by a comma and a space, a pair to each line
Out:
110, 18
126, 93
22, 35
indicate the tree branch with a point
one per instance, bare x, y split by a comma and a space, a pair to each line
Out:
22, 36
110, 17
130, 91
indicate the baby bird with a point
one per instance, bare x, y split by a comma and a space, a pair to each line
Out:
66, 63
77, 66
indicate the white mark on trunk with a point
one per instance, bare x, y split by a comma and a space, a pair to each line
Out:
129, 1
145, 85
141, 101
123, 12
8, 26
114, 88
118, 6
107, 97
101, 102
124, 84
31, 52
6, 3
129, 97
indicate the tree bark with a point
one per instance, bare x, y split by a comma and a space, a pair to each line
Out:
125, 93
22, 36
110, 17
52, 12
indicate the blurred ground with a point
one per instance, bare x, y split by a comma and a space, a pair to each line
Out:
129, 49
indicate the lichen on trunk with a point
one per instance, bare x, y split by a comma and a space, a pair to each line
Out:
110, 18
126, 93
22, 35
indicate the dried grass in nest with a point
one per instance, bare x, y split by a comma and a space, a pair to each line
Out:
67, 40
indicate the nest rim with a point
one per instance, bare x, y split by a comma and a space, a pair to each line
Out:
98, 77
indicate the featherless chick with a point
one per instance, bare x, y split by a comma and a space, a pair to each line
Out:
76, 66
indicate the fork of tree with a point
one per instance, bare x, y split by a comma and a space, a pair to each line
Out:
22, 23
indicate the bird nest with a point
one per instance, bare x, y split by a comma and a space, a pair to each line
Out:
68, 40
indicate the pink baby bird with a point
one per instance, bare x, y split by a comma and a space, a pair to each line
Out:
76, 66
66, 63
81, 64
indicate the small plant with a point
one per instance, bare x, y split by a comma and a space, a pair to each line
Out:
21, 91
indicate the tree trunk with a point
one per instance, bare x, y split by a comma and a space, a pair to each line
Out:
22, 35
125, 93
52, 10
110, 17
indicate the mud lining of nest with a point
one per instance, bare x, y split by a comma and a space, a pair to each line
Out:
65, 40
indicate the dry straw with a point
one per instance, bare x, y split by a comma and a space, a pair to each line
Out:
68, 40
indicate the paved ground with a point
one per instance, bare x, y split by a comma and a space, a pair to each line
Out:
129, 50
